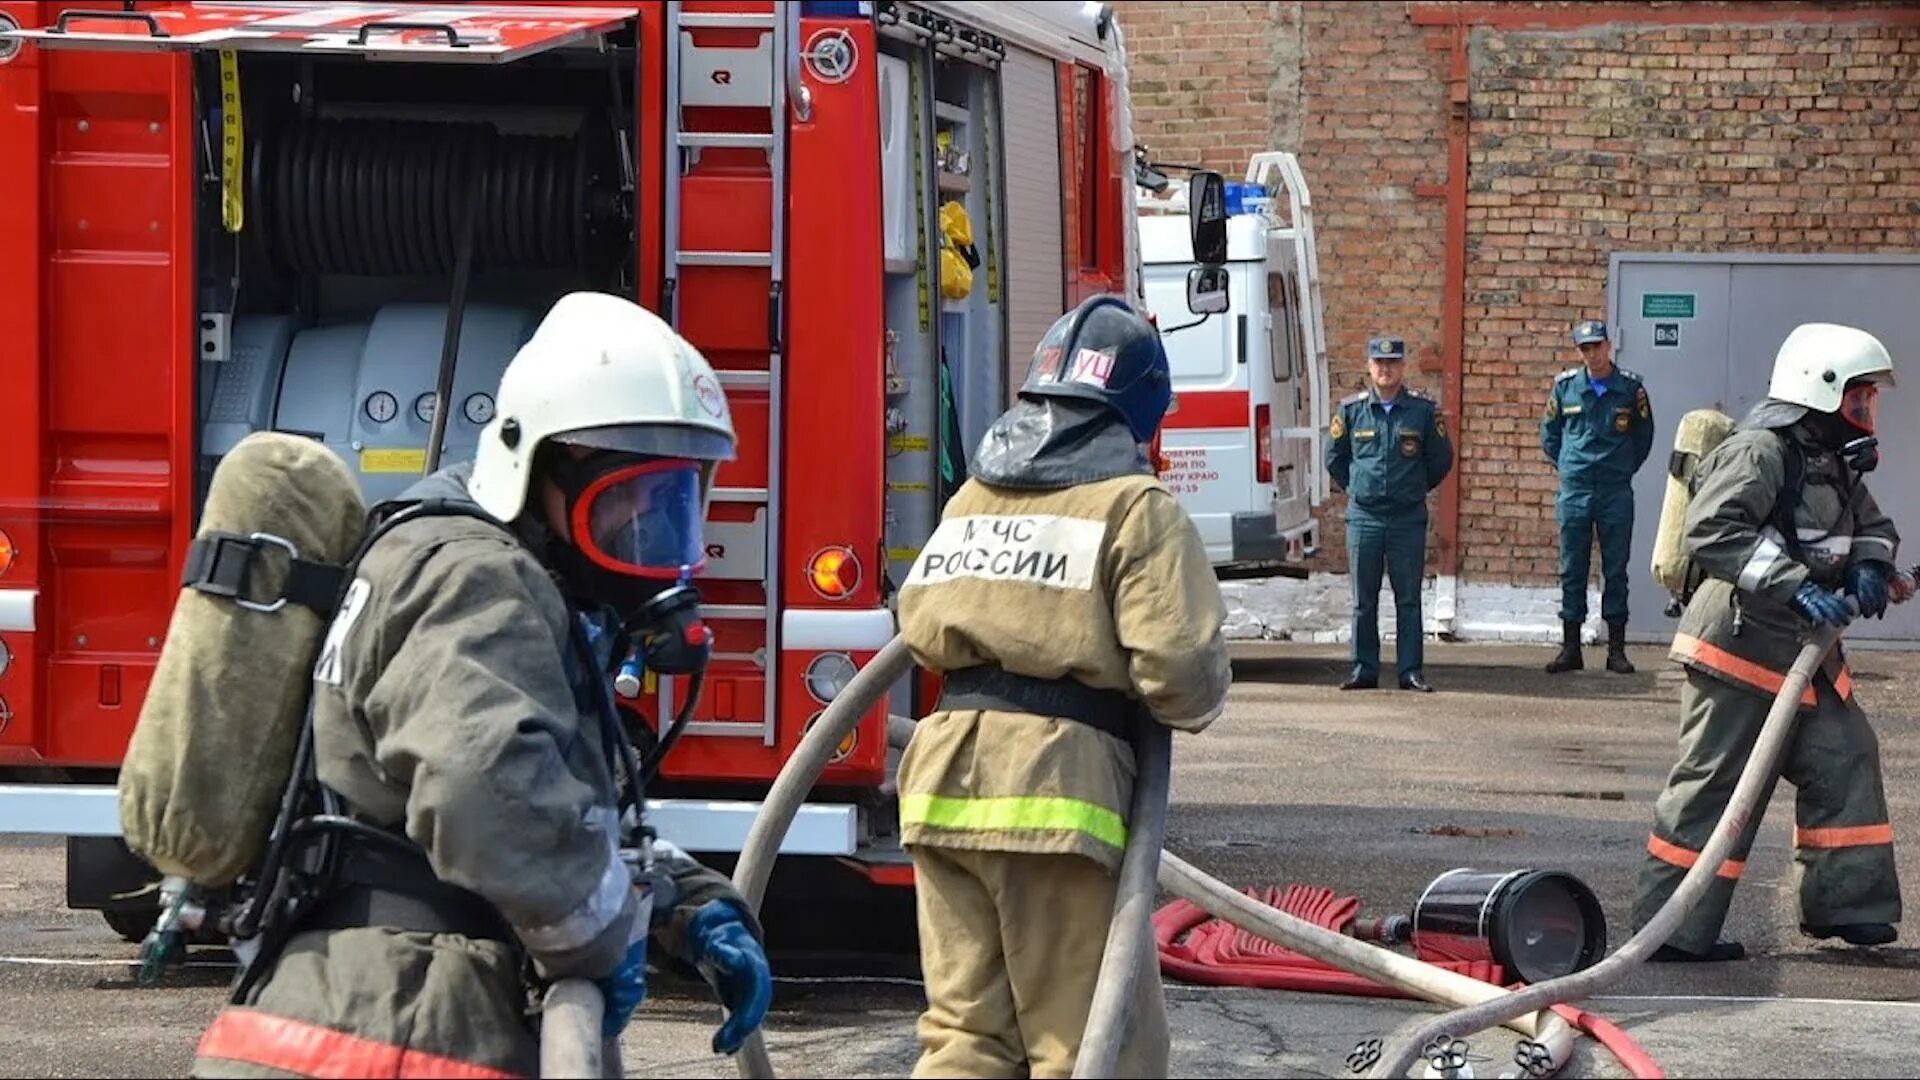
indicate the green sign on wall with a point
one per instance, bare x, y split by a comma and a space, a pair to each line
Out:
1656, 305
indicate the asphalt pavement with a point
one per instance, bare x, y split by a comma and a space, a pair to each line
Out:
1372, 794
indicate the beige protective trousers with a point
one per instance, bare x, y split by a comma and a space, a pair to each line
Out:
1010, 948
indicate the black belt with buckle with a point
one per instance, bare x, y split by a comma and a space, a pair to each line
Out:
993, 687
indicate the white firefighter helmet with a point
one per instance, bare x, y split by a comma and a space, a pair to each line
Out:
1818, 360
600, 371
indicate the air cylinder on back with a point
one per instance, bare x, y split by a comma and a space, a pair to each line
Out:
220, 723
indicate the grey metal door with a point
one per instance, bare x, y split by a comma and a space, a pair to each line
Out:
1740, 308
1680, 375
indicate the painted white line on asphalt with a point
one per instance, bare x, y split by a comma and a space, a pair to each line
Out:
891, 980
1733, 999
61, 961
1201, 989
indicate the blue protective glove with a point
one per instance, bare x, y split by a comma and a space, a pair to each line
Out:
624, 989
1820, 605
731, 959
1867, 581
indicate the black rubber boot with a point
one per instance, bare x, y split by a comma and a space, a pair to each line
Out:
1569, 658
1617, 661
1854, 933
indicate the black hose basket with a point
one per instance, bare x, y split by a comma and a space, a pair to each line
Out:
1536, 924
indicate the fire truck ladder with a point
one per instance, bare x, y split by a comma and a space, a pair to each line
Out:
710, 70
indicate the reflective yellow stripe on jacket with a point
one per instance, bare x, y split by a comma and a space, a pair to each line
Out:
1014, 812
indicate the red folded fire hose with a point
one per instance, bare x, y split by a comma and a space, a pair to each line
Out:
1197, 948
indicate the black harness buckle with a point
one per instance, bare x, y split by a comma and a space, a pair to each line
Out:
222, 564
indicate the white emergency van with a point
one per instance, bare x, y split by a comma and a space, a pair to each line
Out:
1245, 439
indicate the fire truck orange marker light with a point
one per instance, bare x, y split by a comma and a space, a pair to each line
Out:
835, 573
6, 552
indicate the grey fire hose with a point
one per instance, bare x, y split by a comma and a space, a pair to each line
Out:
1419, 979
1130, 934
570, 1043
790, 789
1761, 765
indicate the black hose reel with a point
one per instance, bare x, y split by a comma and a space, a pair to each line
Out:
385, 197
409, 197
1536, 924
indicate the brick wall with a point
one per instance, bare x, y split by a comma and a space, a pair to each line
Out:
1786, 138
1204, 77
1789, 137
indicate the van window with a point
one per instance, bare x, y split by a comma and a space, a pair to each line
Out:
1282, 314
1195, 354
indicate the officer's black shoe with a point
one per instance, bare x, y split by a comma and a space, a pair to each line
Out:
1357, 681
1416, 681
1617, 661
1719, 951
1854, 933
1569, 657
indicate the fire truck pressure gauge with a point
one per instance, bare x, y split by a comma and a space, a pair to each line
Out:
423, 408
479, 409
381, 407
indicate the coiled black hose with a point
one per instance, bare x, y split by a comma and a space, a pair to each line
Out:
369, 196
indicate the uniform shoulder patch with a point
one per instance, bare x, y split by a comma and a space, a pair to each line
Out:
1641, 403
1338, 426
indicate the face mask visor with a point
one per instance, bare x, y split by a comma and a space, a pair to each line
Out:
1860, 405
643, 520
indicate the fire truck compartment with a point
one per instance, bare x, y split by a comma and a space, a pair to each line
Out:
365, 388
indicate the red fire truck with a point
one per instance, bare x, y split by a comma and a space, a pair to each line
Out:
342, 219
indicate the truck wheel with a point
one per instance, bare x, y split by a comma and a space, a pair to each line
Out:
132, 924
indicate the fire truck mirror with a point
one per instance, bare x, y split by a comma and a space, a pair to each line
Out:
1207, 213
1207, 290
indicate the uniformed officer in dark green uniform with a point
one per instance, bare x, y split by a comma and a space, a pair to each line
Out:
1598, 430
1387, 447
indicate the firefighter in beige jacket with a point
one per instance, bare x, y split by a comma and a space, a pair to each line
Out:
1064, 592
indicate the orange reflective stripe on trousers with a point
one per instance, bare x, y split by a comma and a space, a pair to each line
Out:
1755, 675
1843, 836
1674, 855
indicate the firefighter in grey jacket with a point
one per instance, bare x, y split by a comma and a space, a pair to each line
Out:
458, 704
1064, 593
1779, 522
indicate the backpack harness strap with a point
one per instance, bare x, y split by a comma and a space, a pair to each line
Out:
223, 564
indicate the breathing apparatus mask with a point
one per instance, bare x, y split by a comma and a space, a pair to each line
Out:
633, 543
1859, 407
